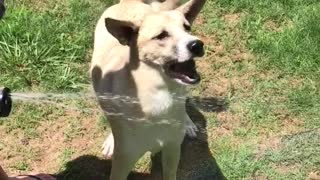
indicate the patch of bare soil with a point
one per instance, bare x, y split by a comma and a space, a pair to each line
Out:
39, 5
229, 122
232, 19
51, 143
314, 176
285, 169
46, 151
260, 177
276, 27
273, 144
200, 20
272, 26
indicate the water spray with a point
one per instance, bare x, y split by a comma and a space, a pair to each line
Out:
6, 98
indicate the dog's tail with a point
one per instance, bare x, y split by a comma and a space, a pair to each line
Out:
160, 5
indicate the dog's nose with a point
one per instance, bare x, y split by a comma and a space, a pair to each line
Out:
196, 47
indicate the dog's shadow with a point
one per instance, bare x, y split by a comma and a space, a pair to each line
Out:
196, 162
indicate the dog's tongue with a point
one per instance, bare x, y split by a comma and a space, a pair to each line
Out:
186, 71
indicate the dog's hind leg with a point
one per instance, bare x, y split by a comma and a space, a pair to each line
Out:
170, 155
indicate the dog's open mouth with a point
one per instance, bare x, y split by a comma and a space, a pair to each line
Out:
183, 73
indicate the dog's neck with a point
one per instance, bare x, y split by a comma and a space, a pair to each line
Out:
134, 60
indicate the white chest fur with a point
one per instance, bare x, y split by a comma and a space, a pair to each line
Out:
161, 102
154, 93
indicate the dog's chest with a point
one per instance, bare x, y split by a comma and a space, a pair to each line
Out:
156, 95
163, 103
159, 102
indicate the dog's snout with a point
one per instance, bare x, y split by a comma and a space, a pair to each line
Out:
196, 48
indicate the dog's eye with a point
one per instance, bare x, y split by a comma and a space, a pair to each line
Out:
162, 35
187, 27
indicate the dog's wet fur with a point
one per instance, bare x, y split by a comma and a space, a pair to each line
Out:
144, 57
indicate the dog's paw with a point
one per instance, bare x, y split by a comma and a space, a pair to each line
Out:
191, 129
108, 146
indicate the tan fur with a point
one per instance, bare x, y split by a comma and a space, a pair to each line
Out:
145, 107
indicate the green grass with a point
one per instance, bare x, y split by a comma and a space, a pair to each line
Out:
45, 46
27, 118
304, 103
284, 91
299, 151
65, 157
235, 161
22, 166
74, 129
39, 50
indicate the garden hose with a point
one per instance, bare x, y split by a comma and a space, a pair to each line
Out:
2, 8
5, 102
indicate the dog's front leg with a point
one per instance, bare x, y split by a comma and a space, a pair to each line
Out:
191, 128
108, 146
123, 161
170, 160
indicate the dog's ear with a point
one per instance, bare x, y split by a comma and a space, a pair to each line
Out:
123, 31
191, 9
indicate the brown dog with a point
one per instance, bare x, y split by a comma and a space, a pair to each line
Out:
143, 60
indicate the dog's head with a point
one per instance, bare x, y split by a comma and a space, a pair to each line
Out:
164, 39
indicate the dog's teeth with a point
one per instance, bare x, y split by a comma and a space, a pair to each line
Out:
190, 79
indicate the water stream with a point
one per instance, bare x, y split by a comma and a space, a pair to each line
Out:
61, 100
55, 99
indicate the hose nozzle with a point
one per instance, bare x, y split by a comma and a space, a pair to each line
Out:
5, 102
2, 8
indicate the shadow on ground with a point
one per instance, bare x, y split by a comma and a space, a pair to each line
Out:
196, 163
